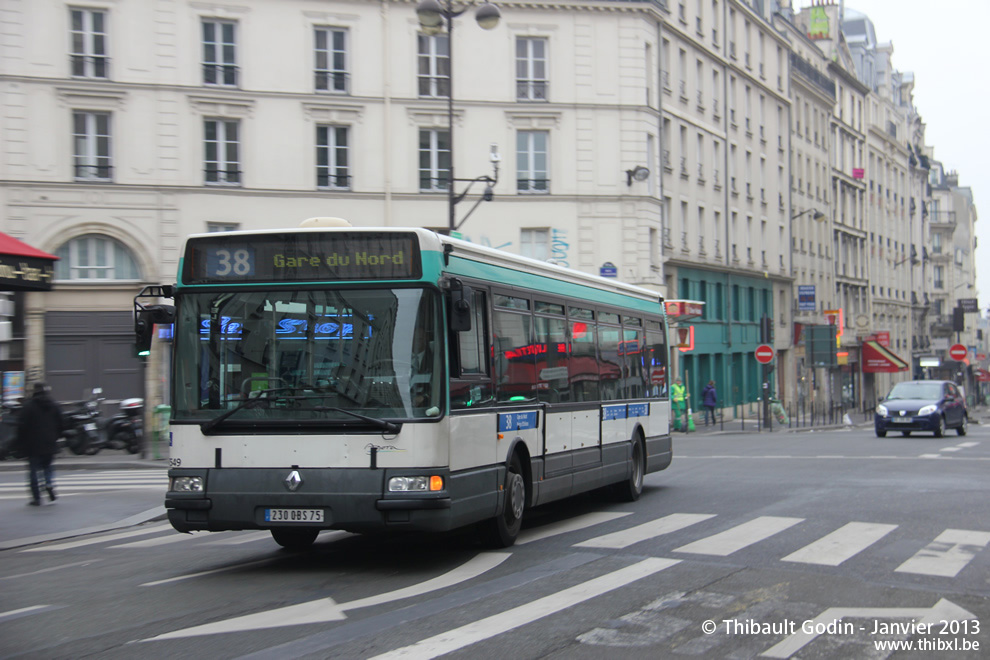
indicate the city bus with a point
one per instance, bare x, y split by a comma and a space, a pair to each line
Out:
393, 379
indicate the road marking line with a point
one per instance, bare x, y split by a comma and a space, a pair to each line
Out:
175, 537
740, 536
569, 525
845, 542
188, 576
968, 444
100, 539
14, 614
950, 448
497, 624
325, 610
627, 537
947, 554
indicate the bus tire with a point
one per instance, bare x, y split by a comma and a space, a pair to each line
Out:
502, 530
294, 539
630, 489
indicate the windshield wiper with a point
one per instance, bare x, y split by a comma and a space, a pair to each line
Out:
209, 425
389, 427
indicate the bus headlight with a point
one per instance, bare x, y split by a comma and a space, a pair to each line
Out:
186, 484
415, 484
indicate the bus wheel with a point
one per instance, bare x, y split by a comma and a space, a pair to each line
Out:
632, 488
294, 539
502, 530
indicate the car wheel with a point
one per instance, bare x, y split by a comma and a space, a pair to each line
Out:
940, 429
905, 433
881, 434
963, 428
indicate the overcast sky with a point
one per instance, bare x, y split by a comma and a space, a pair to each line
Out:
945, 44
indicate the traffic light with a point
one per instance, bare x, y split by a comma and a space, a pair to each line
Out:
766, 329
958, 320
145, 318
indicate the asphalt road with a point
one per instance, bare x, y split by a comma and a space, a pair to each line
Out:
810, 545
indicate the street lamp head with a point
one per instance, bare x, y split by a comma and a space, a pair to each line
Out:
487, 16
818, 216
430, 13
639, 173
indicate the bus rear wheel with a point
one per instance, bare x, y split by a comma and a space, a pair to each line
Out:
502, 530
294, 539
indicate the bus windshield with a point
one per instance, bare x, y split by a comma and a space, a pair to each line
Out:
308, 356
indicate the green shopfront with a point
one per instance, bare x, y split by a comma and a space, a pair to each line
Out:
724, 339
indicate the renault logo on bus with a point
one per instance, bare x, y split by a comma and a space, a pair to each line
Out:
293, 481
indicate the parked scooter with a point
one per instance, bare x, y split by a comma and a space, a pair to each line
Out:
125, 430
81, 427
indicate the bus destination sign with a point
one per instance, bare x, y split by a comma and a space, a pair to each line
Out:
301, 257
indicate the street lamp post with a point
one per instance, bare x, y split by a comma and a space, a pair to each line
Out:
433, 16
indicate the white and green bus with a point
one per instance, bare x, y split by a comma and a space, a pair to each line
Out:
396, 379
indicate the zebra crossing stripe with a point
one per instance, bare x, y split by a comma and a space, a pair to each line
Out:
840, 545
452, 640
627, 537
740, 536
569, 525
947, 554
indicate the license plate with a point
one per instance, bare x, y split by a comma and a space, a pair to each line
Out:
294, 515
901, 420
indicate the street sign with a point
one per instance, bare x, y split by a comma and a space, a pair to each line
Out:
958, 352
764, 354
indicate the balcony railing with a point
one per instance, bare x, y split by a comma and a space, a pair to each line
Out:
334, 81
220, 74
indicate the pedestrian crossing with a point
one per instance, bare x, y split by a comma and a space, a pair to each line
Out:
68, 483
946, 555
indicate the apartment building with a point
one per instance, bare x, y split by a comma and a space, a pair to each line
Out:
726, 168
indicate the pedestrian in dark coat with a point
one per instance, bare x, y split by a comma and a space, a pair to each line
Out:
709, 399
39, 427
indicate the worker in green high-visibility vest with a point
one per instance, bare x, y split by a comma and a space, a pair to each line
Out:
678, 396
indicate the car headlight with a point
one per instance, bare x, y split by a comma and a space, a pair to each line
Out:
927, 410
882, 410
186, 484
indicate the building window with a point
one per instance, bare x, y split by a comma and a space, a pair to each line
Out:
213, 227
331, 60
222, 164
95, 257
219, 53
91, 139
531, 162
531, 69
535, 243
434, 65
434, 159
89, 43
332, 161
939, 277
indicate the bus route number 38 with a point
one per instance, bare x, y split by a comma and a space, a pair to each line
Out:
224, 262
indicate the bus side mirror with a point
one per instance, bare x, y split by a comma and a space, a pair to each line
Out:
145, 319
460, 307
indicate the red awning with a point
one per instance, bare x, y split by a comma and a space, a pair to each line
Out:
24, 268
683, 310
982, 376
878, 359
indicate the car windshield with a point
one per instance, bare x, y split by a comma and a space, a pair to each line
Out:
308, 356
914, 390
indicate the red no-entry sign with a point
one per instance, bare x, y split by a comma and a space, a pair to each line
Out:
764, 353
958, 352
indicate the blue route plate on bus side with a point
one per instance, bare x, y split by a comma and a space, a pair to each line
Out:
294, 515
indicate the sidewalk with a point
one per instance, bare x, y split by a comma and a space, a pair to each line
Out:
75, 515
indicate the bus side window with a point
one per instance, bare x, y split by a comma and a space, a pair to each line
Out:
470, 384
656, 360
515, 364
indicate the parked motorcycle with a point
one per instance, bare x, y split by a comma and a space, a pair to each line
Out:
125, 430
81, 427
